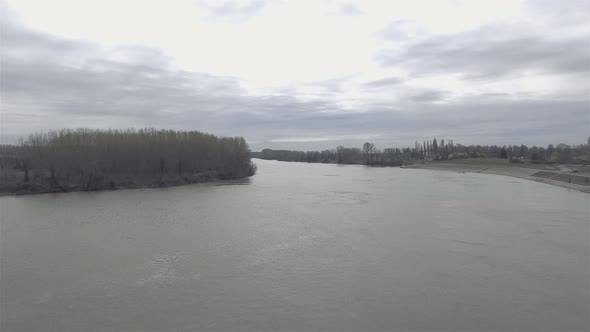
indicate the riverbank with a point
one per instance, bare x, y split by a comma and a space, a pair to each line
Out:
546, 175
10, 186
69, 160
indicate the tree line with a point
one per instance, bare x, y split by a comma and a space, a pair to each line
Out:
88, 159
432, 150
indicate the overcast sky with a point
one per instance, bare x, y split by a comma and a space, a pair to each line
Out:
301, 74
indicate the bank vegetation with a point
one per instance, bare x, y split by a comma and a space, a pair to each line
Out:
87, 159
432, 151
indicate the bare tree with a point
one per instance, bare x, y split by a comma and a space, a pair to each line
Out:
369, 149
85, 159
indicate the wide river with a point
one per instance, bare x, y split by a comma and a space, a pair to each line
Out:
301, 247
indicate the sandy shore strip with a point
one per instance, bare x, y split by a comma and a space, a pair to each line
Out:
514, 171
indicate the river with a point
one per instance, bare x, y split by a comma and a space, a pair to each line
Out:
300, 247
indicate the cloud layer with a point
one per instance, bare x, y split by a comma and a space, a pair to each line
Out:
492, 52
504, 82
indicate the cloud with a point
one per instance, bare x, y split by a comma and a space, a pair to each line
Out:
234, 9
326, 138
429, 96
350, 9
508, 122
491, 52
51, 82
385, 82
50, 78
139, 87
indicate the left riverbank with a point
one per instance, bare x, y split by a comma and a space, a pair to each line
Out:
69, 160
12, 188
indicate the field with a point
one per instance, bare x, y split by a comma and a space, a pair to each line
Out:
580, 169
495, 162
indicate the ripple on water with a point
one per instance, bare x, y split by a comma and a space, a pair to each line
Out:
163, 270
340, 197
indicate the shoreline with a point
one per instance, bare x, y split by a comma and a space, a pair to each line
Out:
512, 171
126, 187
505, 170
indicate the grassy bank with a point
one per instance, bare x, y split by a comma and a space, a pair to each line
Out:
496, 162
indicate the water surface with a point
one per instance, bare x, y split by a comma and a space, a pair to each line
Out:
301, 246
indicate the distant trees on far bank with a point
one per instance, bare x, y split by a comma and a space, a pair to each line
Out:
87, 159
433, 150
368, 155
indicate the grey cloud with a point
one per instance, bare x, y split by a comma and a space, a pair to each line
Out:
325, 88
142, 90
385, 82
112, 88
522, 122
491, 52
428, 96
350, 9
24, 45
233, 10
77, 84
555, 40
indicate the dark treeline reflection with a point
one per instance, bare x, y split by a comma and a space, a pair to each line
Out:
86, 159
434, 150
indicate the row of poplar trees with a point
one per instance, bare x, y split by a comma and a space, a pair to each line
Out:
81, 157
